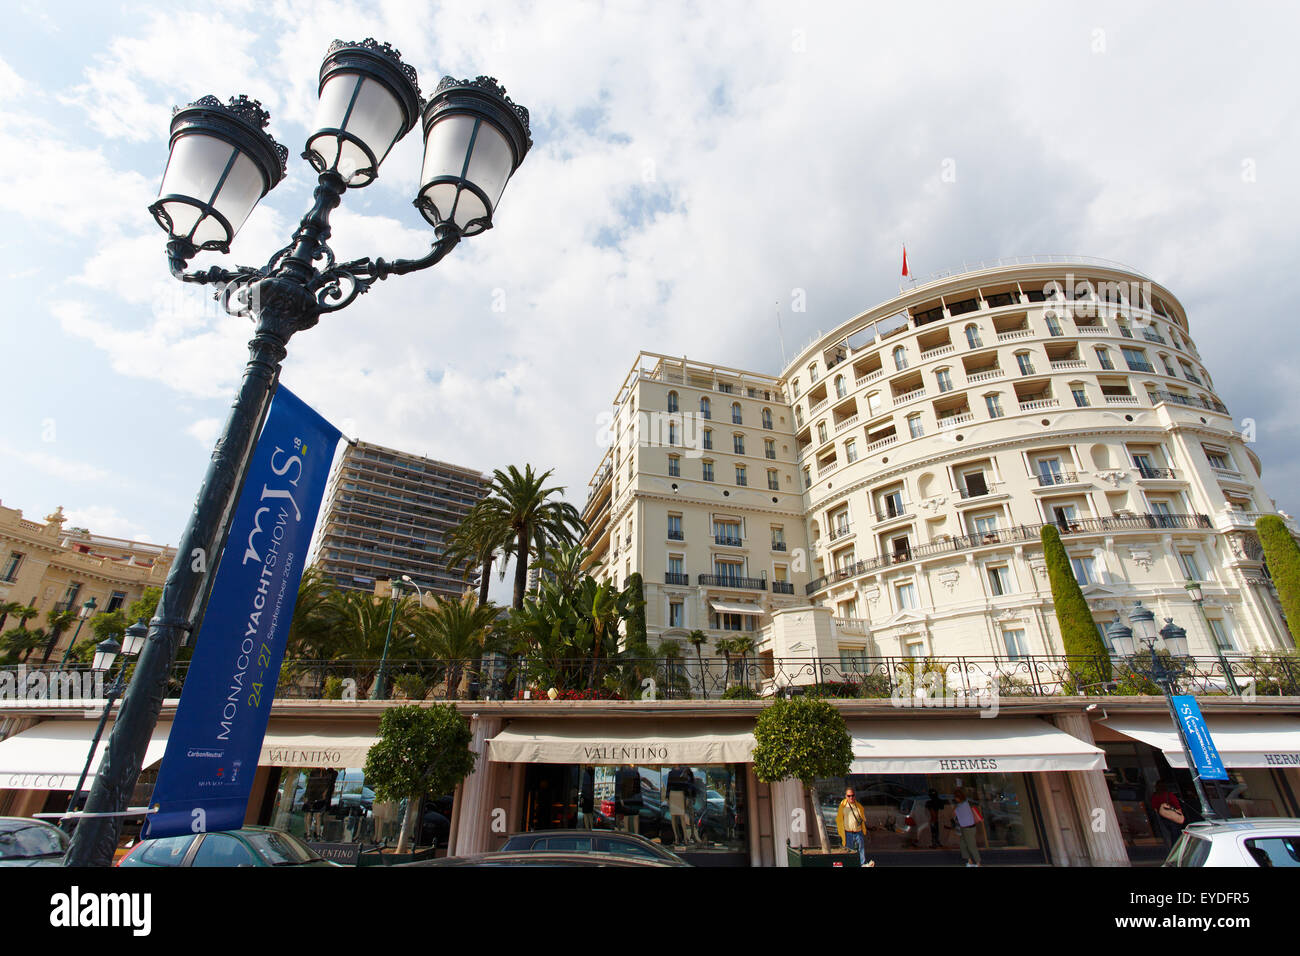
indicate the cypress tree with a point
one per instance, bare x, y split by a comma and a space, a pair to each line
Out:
1078, 630
1282, 556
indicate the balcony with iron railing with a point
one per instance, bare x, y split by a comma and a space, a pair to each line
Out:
778, 545
1050, 479
676, 535
783, 587
1149, 472
1113, 524
728, 540
728, 581
839, 531
1136, 366
673, 577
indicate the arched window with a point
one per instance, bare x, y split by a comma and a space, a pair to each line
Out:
840, 390
944, 379
821, 431
767, 418
812, 372
1025, 363
672, 401
973, 336
735, 413
900, 358
798, 416
704, 407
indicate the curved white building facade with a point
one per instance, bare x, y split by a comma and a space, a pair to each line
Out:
909, 459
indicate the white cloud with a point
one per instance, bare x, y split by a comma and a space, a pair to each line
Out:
11, 84
205, 431
105, 520
55, 466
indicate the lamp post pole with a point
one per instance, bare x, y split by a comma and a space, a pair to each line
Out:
87, 610
475, 138
380, 690
1164, 678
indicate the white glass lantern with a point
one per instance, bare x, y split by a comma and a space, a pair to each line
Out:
87, 609
106, 652
1175, 638
133, 642
474, 140
1120, 637
369, 99
221, 163
1144, 623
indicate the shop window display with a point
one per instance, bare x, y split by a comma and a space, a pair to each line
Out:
336, 806
907, 813
685, 808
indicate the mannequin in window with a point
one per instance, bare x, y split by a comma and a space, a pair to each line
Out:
586, 797
627, 798
681, 801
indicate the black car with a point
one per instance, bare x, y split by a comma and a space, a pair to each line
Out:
28, 842
598, 843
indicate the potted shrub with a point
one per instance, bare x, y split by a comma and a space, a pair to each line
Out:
420, 750
805, 738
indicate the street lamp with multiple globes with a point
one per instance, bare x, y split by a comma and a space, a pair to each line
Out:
1174, 639
222, 162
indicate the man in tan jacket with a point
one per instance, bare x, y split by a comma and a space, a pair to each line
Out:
851, 821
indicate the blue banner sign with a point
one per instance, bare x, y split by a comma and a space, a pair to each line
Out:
207, 772
1204, 754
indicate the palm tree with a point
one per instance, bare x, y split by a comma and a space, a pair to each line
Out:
314, 634
7, 608
362, 626
456, 631
518, 503
475, 544
58, 621
25, 614
674, 678
599, 603
699, 638
726, 647
742, 646
564, 563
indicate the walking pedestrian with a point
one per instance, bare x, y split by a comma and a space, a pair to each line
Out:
935, 807
851, 821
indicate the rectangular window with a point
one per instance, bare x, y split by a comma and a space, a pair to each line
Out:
1053, 324
1080, 396
674, 466
994, 403
1085, 570
944, 380
914, 649
708, 439
675, 527
773, 484
1014, 641
769, 448
1191, 570
914, 426
738, 444
676, 614
985, 524
906, 594
1025, 363
1218, 459
11, 566
999, 580
850, 451
116, 601
740, 475
675, 564
1222, 635
807, 478
1103, 356
706, 470
778, 538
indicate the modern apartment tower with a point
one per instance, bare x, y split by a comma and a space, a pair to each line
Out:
884, 496
388, 513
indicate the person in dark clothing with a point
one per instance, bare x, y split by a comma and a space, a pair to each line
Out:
1169, 811
935, 806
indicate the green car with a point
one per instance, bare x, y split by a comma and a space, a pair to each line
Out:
249, 846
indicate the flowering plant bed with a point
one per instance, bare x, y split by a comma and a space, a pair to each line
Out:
596, 694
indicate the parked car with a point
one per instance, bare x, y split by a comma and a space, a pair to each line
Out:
594, 842
1253, 841
249, 846
28, 842
543, 858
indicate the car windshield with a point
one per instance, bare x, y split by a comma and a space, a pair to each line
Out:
28, 841
279, 849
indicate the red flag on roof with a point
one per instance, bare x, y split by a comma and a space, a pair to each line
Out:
905, 260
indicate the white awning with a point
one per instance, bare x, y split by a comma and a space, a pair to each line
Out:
314, 743
51, 755
1243, 742
974, 745
725, 607
617, 742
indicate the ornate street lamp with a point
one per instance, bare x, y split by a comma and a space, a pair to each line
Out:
1174, 639
222, 163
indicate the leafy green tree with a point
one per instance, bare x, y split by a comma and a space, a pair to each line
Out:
1282, 557
362, 627
564, 563
805, 739
633, 600
726, 647
523, 510
420, 750
7, 608
1078, 630
742, 646
58, 622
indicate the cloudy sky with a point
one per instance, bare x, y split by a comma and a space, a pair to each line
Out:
693, 165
